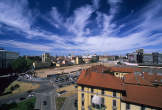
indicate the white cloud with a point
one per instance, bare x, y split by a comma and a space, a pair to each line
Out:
104, 41
12, 13
56, 17
79, 20
24, 45
17, 16
114, 6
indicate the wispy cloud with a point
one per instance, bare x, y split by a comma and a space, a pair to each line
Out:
12, 13
25, 45
18, 18
142, 34
79, 20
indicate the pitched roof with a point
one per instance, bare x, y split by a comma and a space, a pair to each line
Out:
99, 80
146, 95
136, 79
124, 69
138, 87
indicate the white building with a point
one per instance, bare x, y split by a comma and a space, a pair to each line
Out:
45, 57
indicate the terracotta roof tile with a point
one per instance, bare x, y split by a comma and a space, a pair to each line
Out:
138, 87
145, 95
136, 79
100, 80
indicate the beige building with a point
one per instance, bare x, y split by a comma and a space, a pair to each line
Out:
98, 90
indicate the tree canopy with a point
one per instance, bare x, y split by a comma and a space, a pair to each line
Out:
21, 64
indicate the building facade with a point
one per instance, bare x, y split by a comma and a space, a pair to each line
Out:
46, 57
6, 58
103, 91
132, 57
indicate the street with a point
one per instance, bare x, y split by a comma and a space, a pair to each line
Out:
69, 103
44, 93
46, 100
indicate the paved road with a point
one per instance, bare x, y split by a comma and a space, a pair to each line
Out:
69, 103
46, 100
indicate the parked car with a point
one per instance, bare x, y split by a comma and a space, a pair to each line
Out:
22, 98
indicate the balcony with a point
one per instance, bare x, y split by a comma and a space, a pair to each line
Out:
114, 108
96, 107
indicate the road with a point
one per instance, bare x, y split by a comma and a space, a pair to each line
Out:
46, 100
69, 103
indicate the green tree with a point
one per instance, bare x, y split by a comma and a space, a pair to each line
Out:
21, 64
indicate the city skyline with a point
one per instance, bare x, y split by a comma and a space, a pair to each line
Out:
80, 27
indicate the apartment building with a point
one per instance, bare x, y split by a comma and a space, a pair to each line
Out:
100, 90
6, 58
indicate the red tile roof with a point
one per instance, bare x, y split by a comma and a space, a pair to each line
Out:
146, 95
100, 80
138, 87
124, 69
136, 79
152, 77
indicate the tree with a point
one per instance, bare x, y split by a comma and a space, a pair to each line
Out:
21, 64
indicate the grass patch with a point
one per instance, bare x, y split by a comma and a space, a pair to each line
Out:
59, 102
19, 87
27, 104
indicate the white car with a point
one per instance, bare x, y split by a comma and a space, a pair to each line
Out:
30, 95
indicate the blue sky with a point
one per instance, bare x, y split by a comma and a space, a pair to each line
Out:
61, 27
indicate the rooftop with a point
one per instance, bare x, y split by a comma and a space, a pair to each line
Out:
138, 86
99, 80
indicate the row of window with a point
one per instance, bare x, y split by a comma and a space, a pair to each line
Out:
103, 101
128, 107
102, 91
114, 103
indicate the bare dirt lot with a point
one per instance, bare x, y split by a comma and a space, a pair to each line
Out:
49, 71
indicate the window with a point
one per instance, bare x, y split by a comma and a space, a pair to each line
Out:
82, 88
91, 89
127, 106
82, 103
114, 94
102, 92
114, 103
103, 101
82, 96
91, 97
142, 108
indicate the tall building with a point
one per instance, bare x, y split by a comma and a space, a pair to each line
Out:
155, 57
132, 57
98, 90
46, 57
136, 57
145, 58
139, 55
160, 58
6, 58
78, 60
152, 58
